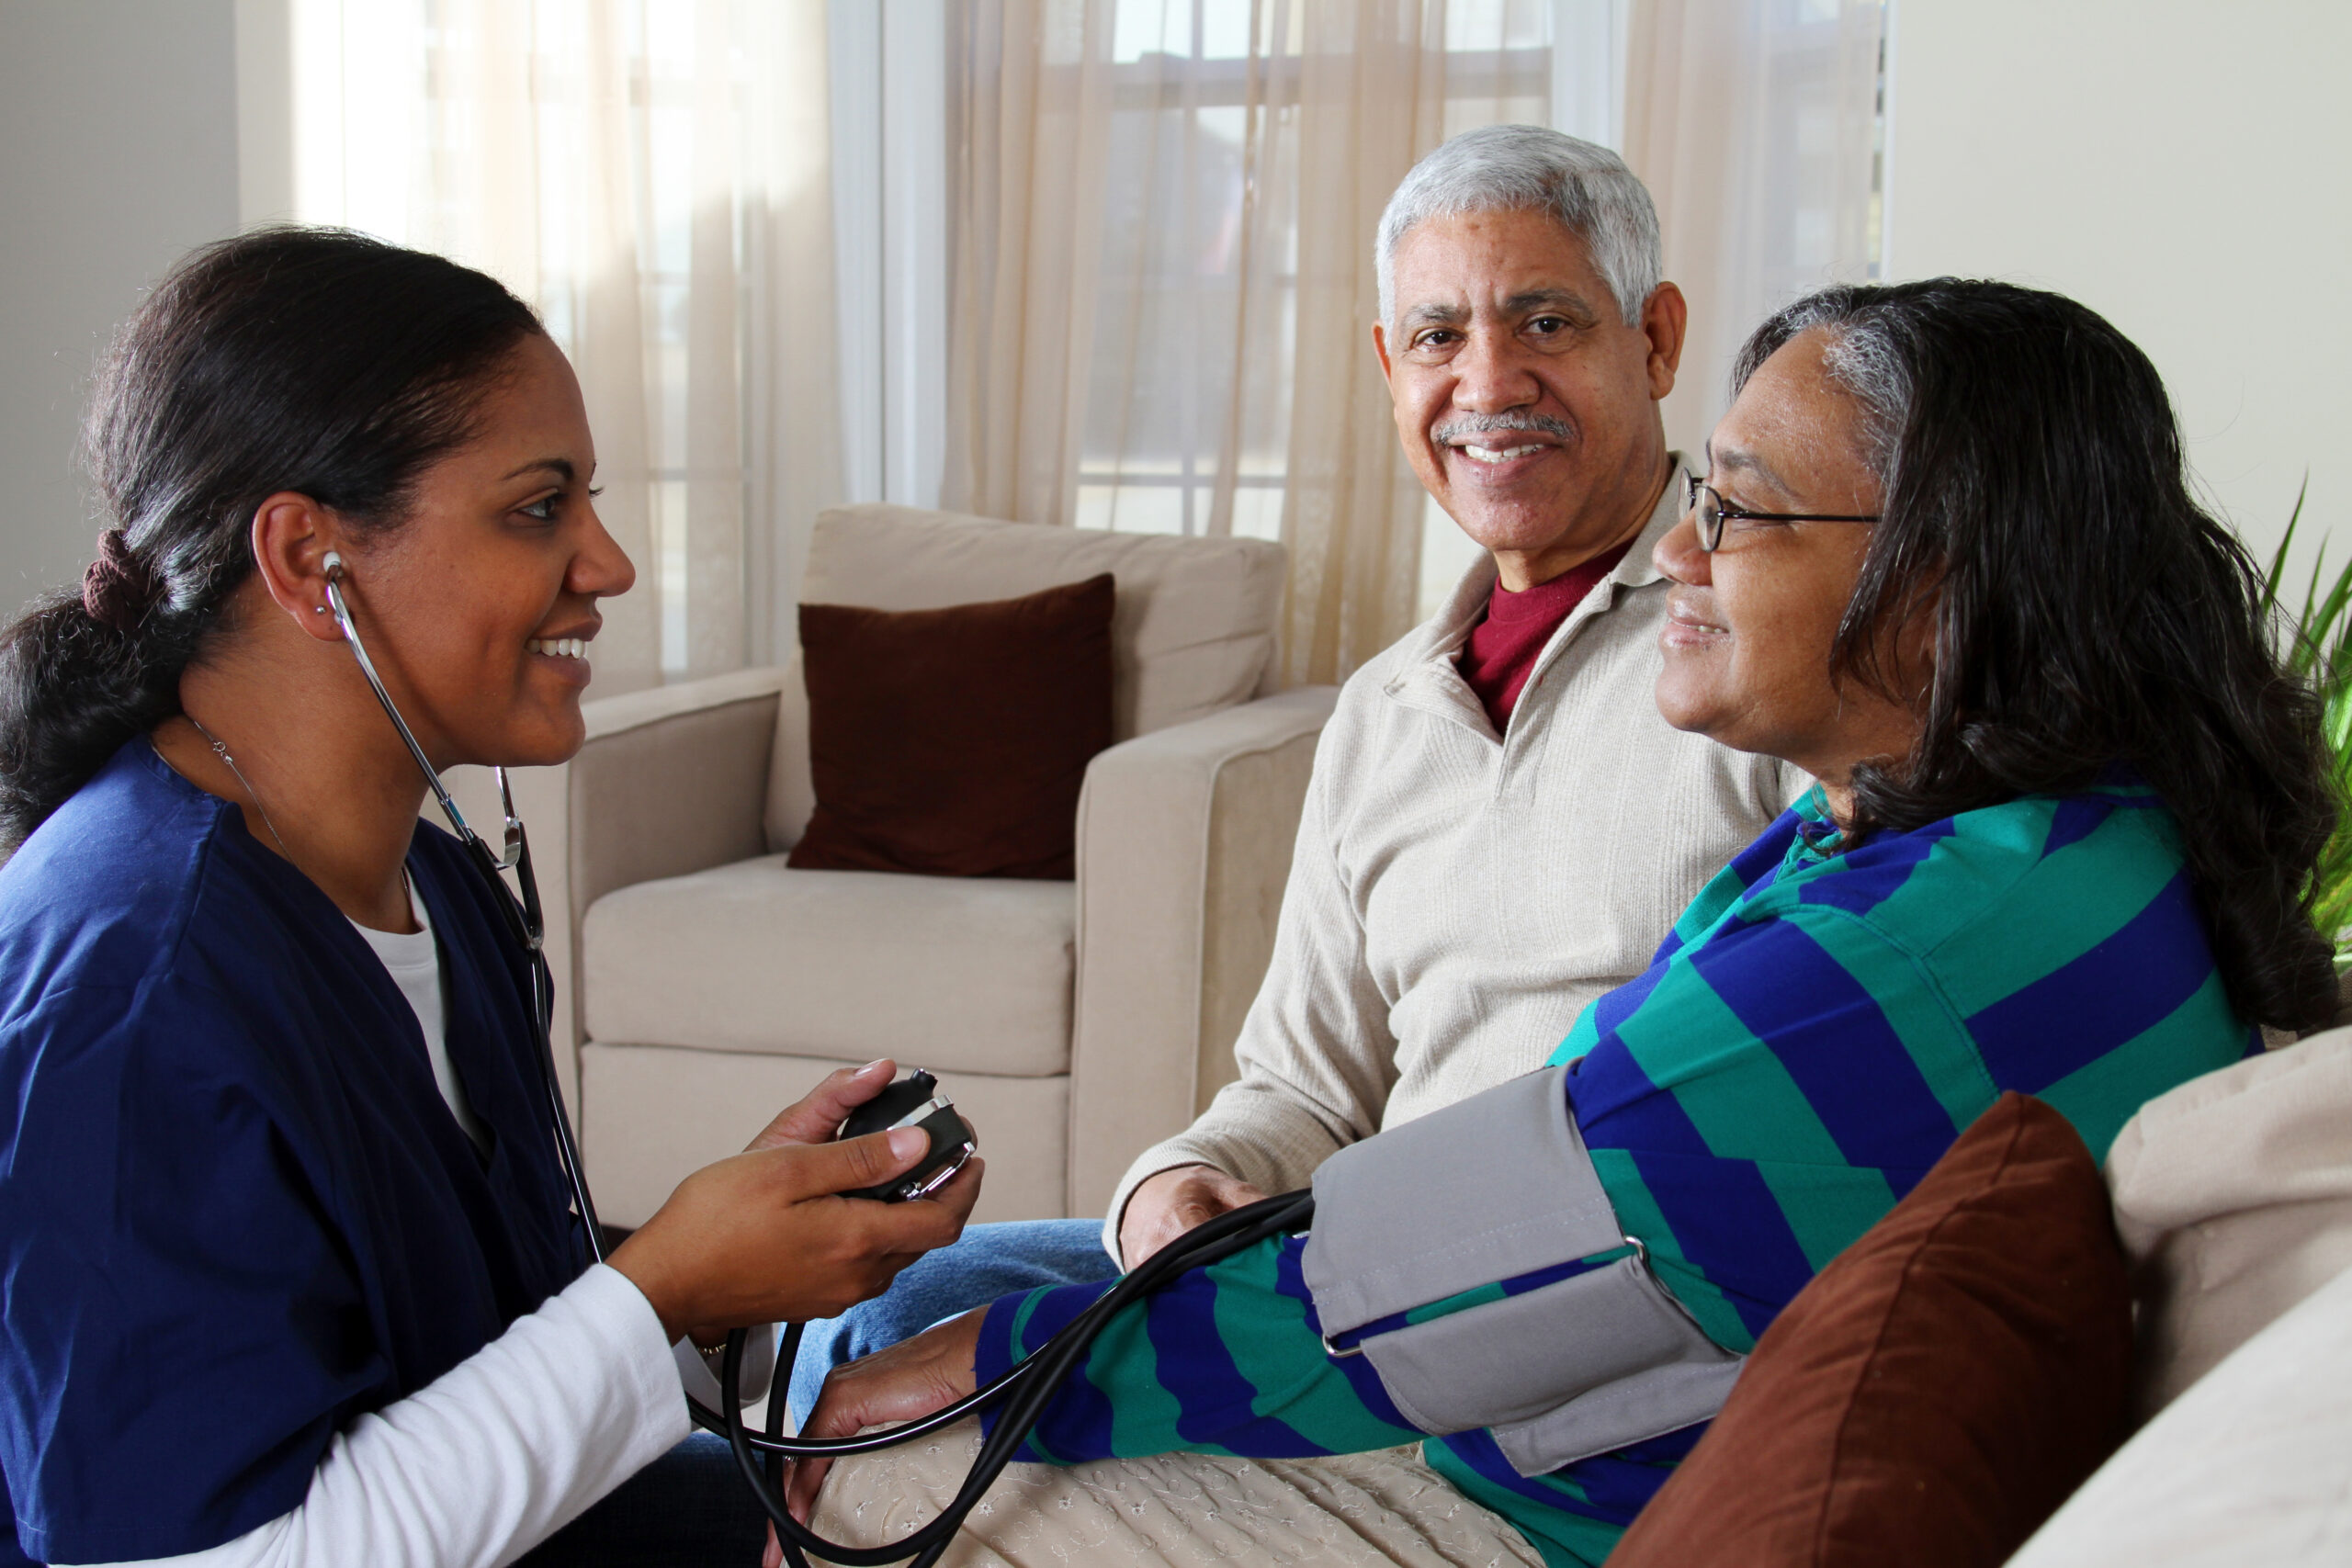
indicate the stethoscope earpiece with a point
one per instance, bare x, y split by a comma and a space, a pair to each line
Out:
514, 853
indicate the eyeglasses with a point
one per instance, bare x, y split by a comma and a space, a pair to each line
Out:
1706, 505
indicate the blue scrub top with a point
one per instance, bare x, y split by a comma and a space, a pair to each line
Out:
235, 1213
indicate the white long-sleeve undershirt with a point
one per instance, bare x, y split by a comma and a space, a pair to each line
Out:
506, 1447
493, 1456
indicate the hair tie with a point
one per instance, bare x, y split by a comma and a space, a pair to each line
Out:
119, 588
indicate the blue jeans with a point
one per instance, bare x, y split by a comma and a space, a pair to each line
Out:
990, 1262
687, 1509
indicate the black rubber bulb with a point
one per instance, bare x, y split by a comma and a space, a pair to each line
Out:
914, 1101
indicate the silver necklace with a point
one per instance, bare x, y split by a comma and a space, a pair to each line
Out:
221, 751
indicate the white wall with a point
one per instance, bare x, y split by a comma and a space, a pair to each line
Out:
2178, 165
118, 151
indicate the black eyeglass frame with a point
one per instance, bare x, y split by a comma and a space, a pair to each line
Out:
1710, 520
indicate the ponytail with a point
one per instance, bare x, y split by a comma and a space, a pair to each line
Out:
310, 360
73, 689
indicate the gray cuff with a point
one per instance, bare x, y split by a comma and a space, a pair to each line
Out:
1582, 1352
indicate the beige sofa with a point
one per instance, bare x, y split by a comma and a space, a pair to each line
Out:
2233, 1196
702, 984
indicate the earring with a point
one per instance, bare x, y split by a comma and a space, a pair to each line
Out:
318, 609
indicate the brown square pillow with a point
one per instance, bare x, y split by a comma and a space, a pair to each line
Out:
953, 742
1934, 1393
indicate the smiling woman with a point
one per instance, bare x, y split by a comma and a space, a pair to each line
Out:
1788, 461
294, 1270
2042, 605
483, 569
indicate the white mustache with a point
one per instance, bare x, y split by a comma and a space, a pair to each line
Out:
1453, 430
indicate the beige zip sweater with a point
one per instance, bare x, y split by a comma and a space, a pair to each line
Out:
1456, 897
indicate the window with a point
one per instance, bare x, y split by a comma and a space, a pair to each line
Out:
608, 164
1191, 447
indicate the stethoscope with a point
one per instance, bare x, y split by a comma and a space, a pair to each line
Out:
1023, 1390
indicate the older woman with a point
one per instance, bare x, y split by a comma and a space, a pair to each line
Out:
1946, 560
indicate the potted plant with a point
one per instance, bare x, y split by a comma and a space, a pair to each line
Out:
2318, 647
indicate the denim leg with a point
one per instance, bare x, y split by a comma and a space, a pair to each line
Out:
687, 1509
990, 1262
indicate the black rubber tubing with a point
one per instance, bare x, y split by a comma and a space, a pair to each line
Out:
1025, 1390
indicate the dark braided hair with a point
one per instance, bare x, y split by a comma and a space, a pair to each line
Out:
311, 360
2091, 613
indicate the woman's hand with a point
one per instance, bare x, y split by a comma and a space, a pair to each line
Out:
908, 1380
762, 1237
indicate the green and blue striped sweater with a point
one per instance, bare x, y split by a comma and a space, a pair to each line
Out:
1818, 1028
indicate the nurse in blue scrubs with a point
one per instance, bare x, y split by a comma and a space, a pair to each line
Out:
288, 1272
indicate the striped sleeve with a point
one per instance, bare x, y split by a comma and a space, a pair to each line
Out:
1748, 1162
1226, 1360
1780, 1079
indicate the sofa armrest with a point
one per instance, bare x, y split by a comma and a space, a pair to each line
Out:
1184, 839
669, 781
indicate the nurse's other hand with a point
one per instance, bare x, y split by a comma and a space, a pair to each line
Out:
815, 1119
909, 1379
762, 1237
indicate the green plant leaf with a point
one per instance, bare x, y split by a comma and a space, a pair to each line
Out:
2317, 647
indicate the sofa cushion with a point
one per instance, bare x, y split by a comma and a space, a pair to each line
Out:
2233, 1195
1936, 1390
2252, 1465
950, 972
954, 742
1195, 626
652, 1115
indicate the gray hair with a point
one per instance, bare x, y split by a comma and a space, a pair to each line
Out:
1866, 351
1497, 168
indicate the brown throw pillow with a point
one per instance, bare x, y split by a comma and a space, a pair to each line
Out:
953, 742
1937, 1391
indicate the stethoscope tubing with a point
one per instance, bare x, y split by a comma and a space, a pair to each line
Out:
1025, 1387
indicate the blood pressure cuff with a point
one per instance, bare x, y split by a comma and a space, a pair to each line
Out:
1472, 1259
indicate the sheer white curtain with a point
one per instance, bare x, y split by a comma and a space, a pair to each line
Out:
652, 175
1757, 126
1162, 290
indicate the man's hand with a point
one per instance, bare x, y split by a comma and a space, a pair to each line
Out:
1168, 1204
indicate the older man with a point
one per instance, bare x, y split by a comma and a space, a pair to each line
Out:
1501, 827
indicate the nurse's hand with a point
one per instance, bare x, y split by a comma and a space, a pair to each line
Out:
764, 1239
